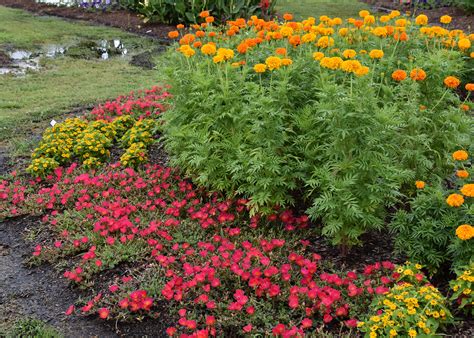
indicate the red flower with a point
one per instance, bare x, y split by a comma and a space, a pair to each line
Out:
278, 329
306, 323
247, 328
171, 331
103, 313
69, 310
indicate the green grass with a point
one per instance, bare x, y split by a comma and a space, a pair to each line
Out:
30, 327
63, 83
316, 8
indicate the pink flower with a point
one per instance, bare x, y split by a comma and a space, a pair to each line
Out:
247, 328
306, 323
69, 310
103, 313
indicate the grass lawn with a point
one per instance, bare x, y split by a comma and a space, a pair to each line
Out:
316, 8
63, 82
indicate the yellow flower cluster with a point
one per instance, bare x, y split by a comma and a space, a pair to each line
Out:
407, 310
462, 288
134, 155
42, 166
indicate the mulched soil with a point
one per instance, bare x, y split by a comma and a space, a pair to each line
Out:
122, 19
461, 19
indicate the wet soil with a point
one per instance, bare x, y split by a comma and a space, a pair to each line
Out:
461, 19
123, 19
42, 293
4, 59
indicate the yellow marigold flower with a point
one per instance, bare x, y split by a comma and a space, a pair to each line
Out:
376, 54
369, 19
384, 19
418, 74
218, 58
208, 49
464, 44
349, 53
445, 19
401, 23
469, 87
286, 62
462, 173
467, 291
187, 51
412, 333
381, 32
260, 68
452, 82
350, 66
394, 14
373, 334
331, 63
286, 31
273, 62
455, 200
472, 55
318, 55
421, 20
363, 13
399, 75
325, 42
460, 155
468, 190
343, 31
364, 70
226, 53
309, 37
419, 185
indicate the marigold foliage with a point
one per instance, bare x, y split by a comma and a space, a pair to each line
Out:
463, 287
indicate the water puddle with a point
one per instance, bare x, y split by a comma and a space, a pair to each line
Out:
19, 62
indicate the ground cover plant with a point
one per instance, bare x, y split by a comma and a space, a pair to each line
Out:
262, 134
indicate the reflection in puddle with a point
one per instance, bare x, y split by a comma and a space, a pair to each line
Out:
18, 62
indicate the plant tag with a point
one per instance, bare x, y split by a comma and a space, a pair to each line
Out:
52, 123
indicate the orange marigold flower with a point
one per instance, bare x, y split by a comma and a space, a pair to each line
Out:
281, 51
369, 19
468, 190
420, 184
452, 82
197, 44
445, 19
464, 44
418, 74
423, 107
465, 232
376, 54
462, 173
286, 62
460, 155
204, 14
465, 107
187, 39
173, 34
455, 200
470, 87
399, 75
288, 16
180, 26
210, 19
260, 68
200, 34
243, 48
295, 40
325, 42
351, 66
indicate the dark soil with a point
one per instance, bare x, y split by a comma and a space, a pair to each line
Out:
461, 19
145, 59
123, 19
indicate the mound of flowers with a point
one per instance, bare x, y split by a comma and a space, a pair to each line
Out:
128, 122
341, 117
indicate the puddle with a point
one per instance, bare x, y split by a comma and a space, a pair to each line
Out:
19, 62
